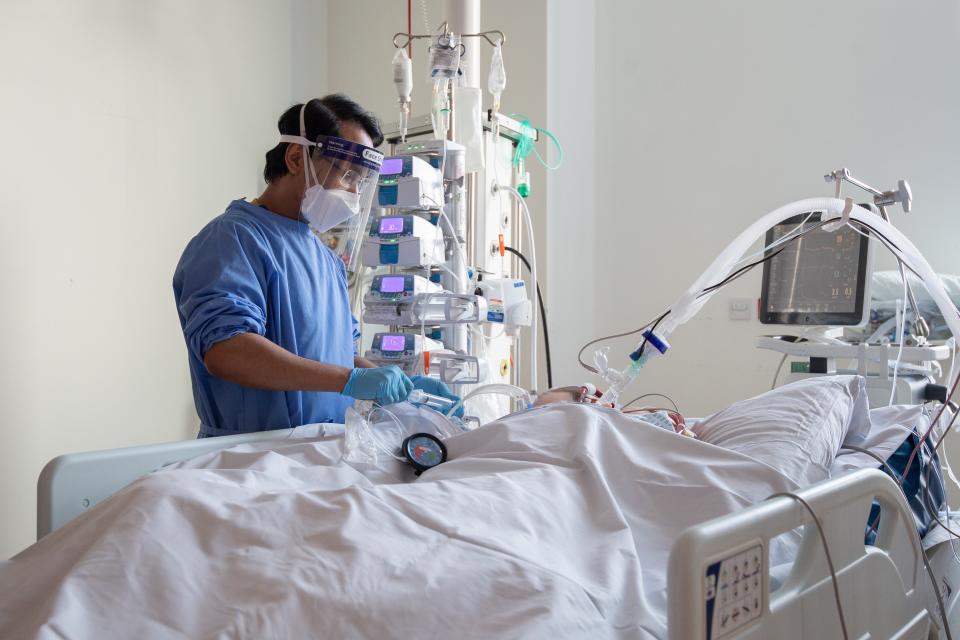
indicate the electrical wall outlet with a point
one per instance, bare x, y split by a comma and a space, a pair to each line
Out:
740, 308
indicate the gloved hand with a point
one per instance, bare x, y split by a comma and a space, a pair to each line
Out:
383, 385
437, 388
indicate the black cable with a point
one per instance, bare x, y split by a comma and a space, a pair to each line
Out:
543, 316
653, 327
604, 339
770, 256
730, 278
826, 552
648, 395
653, 323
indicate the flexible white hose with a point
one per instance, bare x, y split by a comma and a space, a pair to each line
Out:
691, 301
689, 304
531, 243
500, 388
785, 238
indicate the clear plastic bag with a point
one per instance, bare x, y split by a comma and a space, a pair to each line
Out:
373, 434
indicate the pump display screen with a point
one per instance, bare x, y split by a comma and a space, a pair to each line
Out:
819, 279
391, 166
391, 284
391, 225
392, 343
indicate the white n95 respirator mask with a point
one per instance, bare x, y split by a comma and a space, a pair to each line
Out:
324, 209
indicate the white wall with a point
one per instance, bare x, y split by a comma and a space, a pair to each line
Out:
711, 114
571, 190
125, 126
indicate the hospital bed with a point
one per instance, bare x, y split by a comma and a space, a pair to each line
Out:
803, 607
886, 591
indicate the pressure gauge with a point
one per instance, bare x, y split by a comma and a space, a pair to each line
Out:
424, 451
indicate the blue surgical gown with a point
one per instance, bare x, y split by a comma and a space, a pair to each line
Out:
251, 270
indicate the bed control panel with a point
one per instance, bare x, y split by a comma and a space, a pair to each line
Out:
733, 591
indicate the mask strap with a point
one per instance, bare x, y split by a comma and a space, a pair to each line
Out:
297, 140
304, 144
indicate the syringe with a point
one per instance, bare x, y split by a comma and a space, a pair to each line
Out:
439, 403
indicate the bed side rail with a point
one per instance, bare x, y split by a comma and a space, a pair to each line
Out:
72, 483
719, 576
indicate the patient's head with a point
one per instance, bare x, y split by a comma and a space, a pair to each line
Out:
586, 394
558, 394
661, 417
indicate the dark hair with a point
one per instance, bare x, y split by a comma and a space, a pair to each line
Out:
322, 117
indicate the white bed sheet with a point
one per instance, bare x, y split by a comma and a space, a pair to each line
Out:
557, 522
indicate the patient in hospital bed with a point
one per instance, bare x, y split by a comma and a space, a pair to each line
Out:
797, 429
524, 531
664, 418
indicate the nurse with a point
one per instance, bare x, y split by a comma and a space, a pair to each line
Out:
263, 303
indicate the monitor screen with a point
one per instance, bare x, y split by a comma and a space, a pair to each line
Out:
391, 225
817, 280
391, 166
392, 343
391, 284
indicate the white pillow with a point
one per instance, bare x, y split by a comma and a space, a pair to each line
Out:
797, 429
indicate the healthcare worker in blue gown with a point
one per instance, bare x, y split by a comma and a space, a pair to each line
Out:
263, 304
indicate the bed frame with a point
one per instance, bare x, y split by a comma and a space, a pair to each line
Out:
884, 589
713, 566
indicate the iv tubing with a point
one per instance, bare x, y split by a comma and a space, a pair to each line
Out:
505, 389
456, 243
376, 439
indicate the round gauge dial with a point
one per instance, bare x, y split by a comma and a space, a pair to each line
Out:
424, 451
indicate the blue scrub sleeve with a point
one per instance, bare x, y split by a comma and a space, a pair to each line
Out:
220, 295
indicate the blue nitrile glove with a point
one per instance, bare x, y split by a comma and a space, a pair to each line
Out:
383, 385
437, 388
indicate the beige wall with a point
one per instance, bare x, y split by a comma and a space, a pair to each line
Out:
125, 127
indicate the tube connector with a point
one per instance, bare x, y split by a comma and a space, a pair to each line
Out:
652, 339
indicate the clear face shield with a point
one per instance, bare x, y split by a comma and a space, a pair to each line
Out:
341, 179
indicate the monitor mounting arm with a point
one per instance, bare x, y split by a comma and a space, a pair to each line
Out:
882, 199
